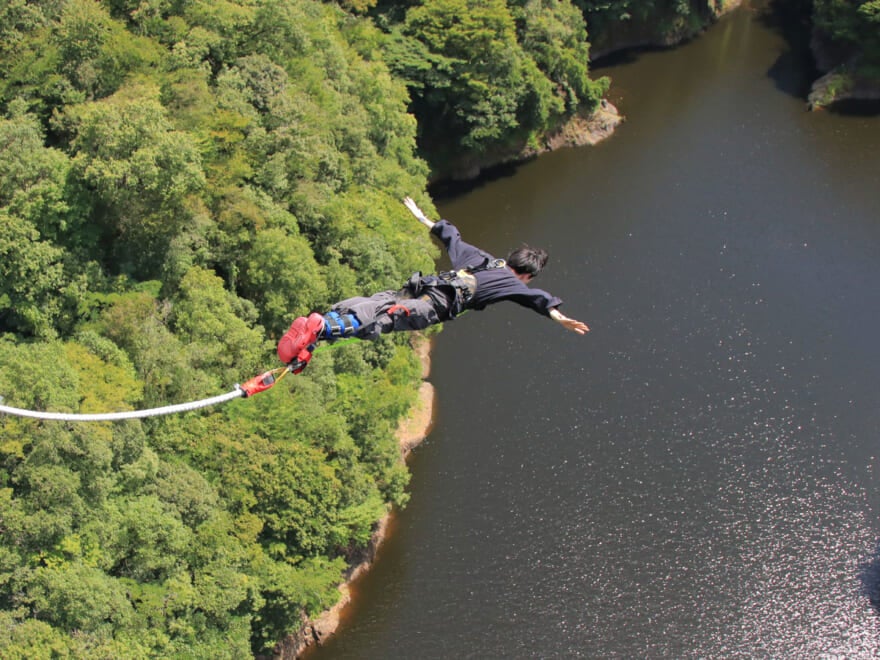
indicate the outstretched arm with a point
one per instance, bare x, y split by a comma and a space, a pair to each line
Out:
416, 211
567, 323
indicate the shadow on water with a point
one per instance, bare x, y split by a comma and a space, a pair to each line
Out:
450, 188
624, 56
794, 71
857, 108
869, 574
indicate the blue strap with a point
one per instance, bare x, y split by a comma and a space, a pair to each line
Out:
340, 325
332, 325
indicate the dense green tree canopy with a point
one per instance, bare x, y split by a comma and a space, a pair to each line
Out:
490, 76
854, 26
178, 181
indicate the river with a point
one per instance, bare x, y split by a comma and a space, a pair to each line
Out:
699, 476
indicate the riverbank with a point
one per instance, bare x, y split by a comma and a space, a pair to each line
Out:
519, 545
411, 431
842, 79
579, 131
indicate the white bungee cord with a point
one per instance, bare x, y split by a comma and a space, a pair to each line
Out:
128, 414
255, 385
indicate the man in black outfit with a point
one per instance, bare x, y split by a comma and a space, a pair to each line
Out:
477, 279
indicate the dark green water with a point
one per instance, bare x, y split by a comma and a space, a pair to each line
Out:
699, 476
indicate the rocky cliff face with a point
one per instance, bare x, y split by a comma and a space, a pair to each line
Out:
843, 78
662, 29
578, 131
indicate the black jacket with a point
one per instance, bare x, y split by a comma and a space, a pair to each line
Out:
494, 284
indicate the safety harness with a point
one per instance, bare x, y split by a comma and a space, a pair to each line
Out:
464, 282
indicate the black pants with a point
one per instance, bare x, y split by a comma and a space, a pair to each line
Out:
431, 306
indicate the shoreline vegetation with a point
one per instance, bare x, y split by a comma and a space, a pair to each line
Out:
179, 181
415, 427
578, 131
411, 432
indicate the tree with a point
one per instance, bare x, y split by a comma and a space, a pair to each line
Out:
17, 18
141, 171
31, 274
136, 322
208, 319
554, 33
478, 82
852, 25
77, 597
33, 177
281, 275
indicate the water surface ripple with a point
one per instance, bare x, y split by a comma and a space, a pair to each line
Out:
698, 477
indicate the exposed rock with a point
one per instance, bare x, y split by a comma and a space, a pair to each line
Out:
841, 80
631, 34
410, 433
841, 84
578, 131
312, 632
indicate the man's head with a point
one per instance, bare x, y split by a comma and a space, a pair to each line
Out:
527, 260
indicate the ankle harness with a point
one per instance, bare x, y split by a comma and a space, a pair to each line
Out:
337, 325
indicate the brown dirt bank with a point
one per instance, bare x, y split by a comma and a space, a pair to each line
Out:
629, 35
578, 131
410, 433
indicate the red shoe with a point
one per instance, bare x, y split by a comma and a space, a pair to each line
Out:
299, 342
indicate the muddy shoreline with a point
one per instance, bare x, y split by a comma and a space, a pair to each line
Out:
413, 429
410, 433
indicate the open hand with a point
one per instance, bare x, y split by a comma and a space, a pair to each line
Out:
417, 212
575, 326
569, 324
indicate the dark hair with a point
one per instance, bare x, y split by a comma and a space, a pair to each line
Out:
527, 260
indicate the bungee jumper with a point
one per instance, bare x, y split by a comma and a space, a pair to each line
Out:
477, 280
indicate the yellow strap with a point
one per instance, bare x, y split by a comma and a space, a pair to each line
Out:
282, 372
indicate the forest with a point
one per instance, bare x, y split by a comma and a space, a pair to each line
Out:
179, 179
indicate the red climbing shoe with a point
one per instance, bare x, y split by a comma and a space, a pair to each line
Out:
298, 343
